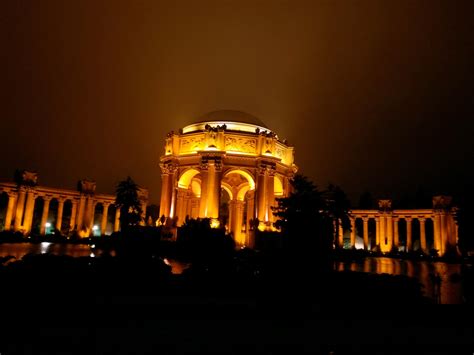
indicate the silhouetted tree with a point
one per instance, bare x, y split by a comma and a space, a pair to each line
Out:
203, 245
153, 211
337, 208
129, 204
305, 225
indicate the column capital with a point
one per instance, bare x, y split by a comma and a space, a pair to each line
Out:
11, 193
395, 218
365, 219
421, 219
168, 167
265, 168
408, 219
47, 198
206, 159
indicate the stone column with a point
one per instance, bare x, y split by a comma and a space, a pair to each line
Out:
103, 224
195, 207
80, 212
20, 207
389, 232
30, 206
181, 205
353, 232
168, 180
396, 235
409, 245
90, 213
165, 195
437, 232
251, 215
269, 196
260, 194
143, 215
44, 216
383, 235
366, 232
210, 188
59, 217
117, 220
72, 222
9, 214
340, 235
423, 235
444, 233
237, 219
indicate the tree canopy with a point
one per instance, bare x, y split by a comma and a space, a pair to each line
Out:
308, 219
128, 202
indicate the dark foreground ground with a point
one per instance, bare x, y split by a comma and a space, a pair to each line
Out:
57, 305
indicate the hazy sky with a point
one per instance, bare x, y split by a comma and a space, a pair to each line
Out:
374, 95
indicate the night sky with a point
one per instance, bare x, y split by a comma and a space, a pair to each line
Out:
374, 95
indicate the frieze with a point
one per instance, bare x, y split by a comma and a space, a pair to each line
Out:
191, 144
244, 145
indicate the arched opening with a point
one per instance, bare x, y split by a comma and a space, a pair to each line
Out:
52, 217
188, 195
415, 234
66, 218
402, 234
372, 233
37, 214
187, 177
224, 208
240, 185
97, 220
278, 190
242, 173
429, 230
359, 231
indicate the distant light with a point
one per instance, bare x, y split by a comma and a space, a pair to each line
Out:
93, 246
47, 224
95, 227
92, 255
166, 261
215, 223
44, 246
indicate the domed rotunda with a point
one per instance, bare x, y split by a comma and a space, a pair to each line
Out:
228, 166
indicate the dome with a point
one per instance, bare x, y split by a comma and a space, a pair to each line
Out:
231, 116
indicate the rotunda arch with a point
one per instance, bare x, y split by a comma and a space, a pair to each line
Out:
186, 177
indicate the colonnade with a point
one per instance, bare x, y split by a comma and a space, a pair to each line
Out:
387, 230
22, 202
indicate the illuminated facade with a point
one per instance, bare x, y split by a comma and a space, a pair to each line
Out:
228, 156
443, 234
81, 206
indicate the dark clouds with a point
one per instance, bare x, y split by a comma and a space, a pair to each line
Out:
373, 94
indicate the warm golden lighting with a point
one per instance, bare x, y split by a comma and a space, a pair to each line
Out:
215, 223
245, 159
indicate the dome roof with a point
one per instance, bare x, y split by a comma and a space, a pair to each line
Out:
231, 116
